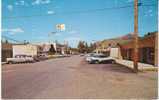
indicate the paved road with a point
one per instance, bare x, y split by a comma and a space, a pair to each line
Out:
72, 77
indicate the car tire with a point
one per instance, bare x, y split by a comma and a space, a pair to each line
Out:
33, 61
96, 62
10, 62
113, 62
89, 62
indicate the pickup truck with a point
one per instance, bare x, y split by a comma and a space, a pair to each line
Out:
20, 59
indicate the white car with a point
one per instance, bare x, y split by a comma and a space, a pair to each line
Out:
82, 54
100, 58
88, 56
20, 59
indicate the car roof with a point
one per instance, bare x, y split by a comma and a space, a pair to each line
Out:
99, 55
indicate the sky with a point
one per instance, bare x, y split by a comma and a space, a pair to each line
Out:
34, 20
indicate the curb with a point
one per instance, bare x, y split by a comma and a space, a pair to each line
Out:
125, 66
140, 69
3, 63
151, 69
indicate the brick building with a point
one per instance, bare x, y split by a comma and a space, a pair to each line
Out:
147, 45
7, 51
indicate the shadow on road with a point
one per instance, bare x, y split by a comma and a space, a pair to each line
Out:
106, 67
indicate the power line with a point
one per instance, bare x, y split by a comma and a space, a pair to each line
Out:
8, 38
77, 12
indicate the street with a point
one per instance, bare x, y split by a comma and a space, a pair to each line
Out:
72, 77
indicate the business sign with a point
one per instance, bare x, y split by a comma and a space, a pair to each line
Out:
60, 27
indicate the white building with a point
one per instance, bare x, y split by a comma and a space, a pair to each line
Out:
24, 49
45, 47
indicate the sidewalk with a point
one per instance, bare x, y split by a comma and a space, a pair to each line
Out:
141, 66
4, 63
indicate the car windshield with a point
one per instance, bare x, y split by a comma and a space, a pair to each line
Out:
28, 56
100, 56
92, 54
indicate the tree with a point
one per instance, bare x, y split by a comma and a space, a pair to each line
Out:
52, 50
81, 46
86, 47
92, 47
6, 41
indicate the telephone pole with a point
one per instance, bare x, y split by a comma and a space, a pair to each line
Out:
135, 58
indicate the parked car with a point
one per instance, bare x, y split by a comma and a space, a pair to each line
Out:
36, 58
90, 54
58, 56
29, 59
81, 54
67, 55
20, 59
100, 58
42, 57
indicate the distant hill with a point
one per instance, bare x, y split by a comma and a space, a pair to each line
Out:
113, 42
121, 40
127, 36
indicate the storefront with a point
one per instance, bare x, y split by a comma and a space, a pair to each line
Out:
146, 49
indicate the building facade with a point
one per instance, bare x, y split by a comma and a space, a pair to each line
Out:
148, 45
7, 51
24, 49
146, 48
59, 48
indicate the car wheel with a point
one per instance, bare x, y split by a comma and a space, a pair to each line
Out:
10, 62
113, 62
96, 62
91, 62
33, 61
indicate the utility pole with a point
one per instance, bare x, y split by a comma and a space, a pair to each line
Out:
135, 58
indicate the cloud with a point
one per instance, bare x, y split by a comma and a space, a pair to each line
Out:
20, 3
73, 32
41, 37
38, 2
149, 13
16, 3
129, 1
150, 10
50, 12
13, 31
73, 39
57, 7
10, 7
58, 34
